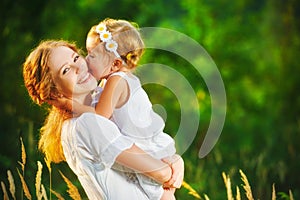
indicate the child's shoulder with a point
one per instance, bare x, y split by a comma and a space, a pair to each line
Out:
128, 76
115, 80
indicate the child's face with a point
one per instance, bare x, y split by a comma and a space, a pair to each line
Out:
99, 62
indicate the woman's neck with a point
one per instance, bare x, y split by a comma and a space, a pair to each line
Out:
84, 99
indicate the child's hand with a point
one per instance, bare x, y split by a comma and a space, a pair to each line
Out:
177, 165
61, 102
66, 104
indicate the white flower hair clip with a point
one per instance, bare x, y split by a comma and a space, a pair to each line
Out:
105, 36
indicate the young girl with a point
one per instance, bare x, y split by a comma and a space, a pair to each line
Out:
114, 49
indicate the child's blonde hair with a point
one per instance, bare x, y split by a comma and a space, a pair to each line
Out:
40, 86
126, 34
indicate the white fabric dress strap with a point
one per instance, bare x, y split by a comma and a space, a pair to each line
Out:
122, 74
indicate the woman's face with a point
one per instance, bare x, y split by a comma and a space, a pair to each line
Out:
70, 73
98, 59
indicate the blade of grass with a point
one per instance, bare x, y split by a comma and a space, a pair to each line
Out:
191, 190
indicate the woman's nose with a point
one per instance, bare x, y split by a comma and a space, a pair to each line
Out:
81, 65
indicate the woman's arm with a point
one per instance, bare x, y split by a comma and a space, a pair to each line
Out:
138, 160
100, 137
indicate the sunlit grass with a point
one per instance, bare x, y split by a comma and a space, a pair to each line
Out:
40, 191
73, 192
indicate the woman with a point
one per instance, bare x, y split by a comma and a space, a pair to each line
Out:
90, 143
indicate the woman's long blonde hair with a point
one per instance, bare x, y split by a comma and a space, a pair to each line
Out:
41, 89
126, 34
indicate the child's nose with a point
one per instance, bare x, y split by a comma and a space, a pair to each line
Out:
87, 57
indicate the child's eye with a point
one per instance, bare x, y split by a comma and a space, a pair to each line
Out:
76, 58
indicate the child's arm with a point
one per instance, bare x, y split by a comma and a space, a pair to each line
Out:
114, 95
108, 101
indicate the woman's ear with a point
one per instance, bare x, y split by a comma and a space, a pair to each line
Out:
117, 64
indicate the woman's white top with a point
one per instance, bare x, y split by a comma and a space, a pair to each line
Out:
91, 144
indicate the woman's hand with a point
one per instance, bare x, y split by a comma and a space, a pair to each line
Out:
177, 165
138, 160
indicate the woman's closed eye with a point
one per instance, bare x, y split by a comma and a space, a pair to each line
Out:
91, 55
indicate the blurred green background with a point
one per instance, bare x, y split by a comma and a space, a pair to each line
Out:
256, 46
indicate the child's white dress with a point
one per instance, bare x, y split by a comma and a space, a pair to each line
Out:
137, 120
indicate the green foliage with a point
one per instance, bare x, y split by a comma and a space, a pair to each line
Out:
255, 45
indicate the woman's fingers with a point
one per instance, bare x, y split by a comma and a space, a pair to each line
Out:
169, 183
177, 165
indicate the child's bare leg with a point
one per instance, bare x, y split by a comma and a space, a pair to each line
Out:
168, 194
